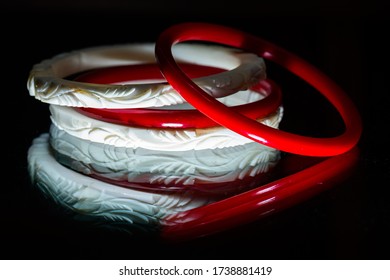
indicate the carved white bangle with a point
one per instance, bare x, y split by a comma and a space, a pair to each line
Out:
81, 126
48, 80
99, 200
208, 168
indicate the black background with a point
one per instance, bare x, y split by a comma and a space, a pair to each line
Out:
345, 39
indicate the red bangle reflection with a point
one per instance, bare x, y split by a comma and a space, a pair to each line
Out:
262, 201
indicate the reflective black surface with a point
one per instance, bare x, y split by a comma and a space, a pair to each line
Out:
347, 41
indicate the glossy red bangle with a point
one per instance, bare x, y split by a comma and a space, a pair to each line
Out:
141, 71
240, 124
260, 202
169, 118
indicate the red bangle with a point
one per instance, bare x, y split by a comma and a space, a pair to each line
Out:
240, 124
262, 201
142, 71
162, 118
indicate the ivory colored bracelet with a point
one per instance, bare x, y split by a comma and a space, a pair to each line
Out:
182, 115
110, 204
226, 170
81, 126
48, 79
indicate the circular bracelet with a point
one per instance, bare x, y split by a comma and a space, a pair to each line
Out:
84, 127
213, 171
109, 204
48, 81
167, 117
281, 140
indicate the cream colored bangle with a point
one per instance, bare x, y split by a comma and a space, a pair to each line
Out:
48, 80
162, 167
97, 199
81, 126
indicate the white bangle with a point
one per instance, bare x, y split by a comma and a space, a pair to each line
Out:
96, 199
48, 80
172, 169
84, 127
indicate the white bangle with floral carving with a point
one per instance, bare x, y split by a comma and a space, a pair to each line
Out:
48, 80
179, 168
81, 126
97, 199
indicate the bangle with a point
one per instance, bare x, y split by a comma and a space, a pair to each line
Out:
269, 99
281, 140
103, 203
84, 127
48, 80
128, 74
216, 171
262, 201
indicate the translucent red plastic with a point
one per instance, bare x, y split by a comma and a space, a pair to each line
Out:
231, 119
262, 201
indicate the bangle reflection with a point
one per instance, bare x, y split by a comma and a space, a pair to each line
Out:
176, 195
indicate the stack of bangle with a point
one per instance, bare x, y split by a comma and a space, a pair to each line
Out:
174, 127
200, 127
